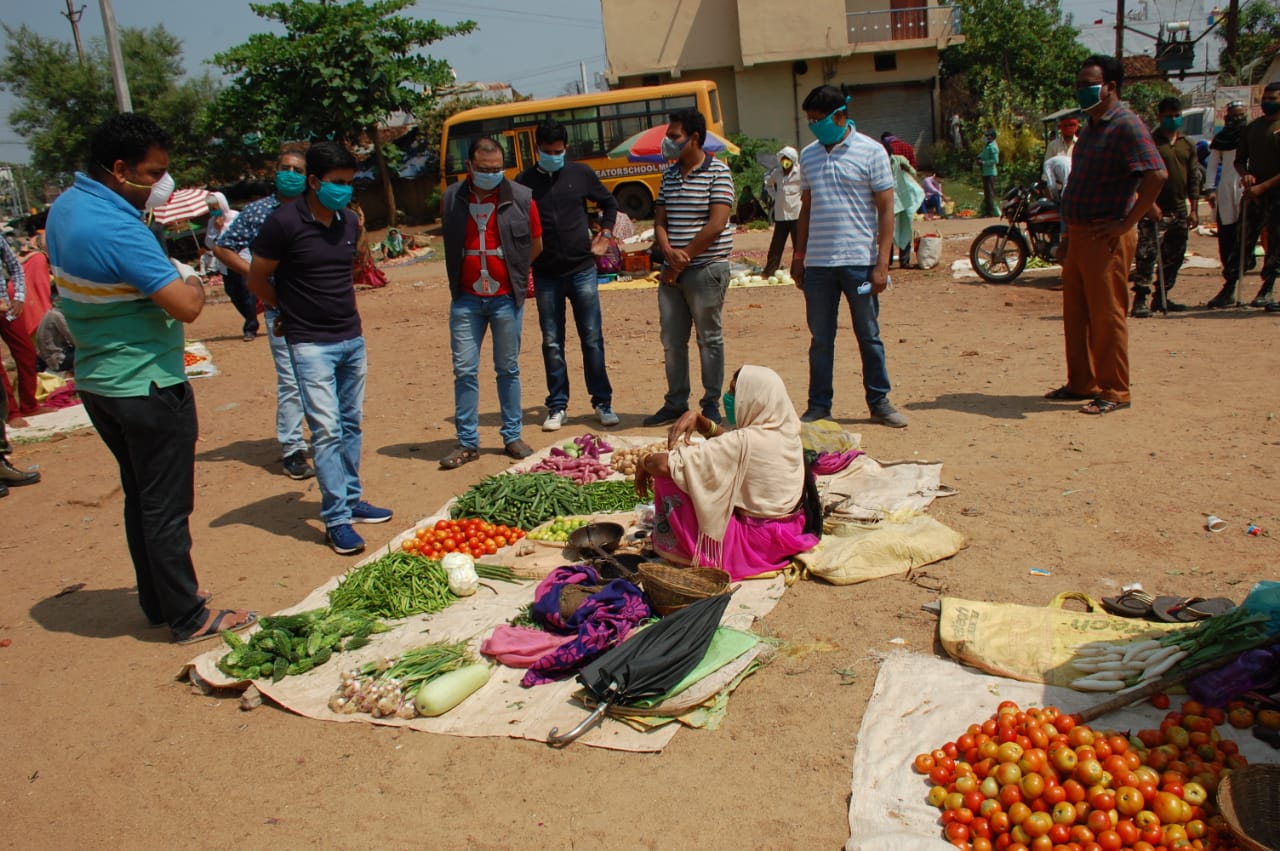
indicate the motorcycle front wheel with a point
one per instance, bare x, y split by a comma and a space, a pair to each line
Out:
997, 255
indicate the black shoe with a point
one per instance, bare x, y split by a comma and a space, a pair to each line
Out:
4, 490
1273, 307
1169, 306
814, 414
12, 477
664, 416
1263, 298
713, 413
1140, 309
297, 467
1226, 297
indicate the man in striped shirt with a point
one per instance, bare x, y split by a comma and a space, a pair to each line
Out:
692, 231
843, 245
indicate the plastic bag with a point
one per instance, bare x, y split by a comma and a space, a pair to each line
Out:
827, 436
929, 251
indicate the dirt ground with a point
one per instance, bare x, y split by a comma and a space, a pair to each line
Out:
104, 748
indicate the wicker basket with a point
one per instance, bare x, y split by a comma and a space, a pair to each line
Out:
1250, 802
670, 589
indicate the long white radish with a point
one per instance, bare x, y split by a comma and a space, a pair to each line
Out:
1140, 647
1160, 667
1090, 684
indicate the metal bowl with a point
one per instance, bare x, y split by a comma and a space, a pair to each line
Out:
596, 536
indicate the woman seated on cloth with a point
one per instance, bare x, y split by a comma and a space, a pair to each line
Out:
736, 500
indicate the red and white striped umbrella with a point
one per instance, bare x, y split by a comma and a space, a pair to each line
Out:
182, 205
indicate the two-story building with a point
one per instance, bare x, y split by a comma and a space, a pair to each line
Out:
765, 56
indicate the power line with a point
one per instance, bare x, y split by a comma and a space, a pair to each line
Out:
516, 15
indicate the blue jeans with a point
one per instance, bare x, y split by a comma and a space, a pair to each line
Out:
694, 301
823, 287
331, 379
288, 402
581, 292
469, 317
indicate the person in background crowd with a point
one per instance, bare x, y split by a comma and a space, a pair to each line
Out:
908, 196
126, 306
565, 271
692, 231
302, 266
232, 249
1224, 191
897, 147
1167, 225
1258, 163
35, 269
221, 217
843, 246
933, 196
10, 476
55, 350
783, 186
989, 158
1057, 170
492, 234
1064, 144
1116, 174
365, 271
23, 403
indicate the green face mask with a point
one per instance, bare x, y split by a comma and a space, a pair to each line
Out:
728, 409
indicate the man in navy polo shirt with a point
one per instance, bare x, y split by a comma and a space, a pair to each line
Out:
125, 305
309, 246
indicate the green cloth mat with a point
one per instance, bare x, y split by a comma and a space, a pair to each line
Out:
726, 645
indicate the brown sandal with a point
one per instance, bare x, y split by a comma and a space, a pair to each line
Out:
459, 456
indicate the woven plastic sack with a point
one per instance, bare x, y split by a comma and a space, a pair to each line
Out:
929, 251
858, 553
1031, 643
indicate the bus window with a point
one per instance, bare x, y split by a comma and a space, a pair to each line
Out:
460, 138
524, 142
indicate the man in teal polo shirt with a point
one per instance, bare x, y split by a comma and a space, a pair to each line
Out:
125, 303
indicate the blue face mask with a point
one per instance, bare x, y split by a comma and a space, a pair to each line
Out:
335, 196
290, 184
729, 402
486, 181
1088, 97
1171, 123
213, 214
827, 131
550, 162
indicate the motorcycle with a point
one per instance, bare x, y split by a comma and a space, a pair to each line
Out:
999, 254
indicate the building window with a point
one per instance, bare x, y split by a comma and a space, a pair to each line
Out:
886, 61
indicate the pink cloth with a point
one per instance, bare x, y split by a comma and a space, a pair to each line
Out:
752, 545
519, 646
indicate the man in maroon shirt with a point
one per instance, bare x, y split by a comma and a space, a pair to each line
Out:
1114, 160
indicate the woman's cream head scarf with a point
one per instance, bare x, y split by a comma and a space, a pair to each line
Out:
758, 467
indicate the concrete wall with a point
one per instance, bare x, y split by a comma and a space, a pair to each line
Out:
677, 36
770, 31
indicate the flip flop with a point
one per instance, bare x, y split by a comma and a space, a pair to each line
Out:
214, 629
1188, 609
1102, 407
204, 598
1134, 603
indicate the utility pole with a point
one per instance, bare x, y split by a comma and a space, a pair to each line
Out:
582, 68
123, 102
1233, 35
1120, 30
74, 17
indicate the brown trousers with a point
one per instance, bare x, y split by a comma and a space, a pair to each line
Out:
1095, 302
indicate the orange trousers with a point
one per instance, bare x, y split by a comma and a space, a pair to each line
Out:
1095, 305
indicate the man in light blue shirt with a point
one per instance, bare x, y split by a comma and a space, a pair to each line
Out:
843, 245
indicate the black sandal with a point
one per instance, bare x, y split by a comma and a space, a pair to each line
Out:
1065, 393
1101, 407
1134, 603
459, 456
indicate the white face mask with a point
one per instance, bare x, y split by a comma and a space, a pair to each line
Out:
161, 192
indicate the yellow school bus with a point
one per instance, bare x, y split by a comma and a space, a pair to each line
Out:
596, 124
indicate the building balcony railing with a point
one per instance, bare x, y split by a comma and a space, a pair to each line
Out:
905, 23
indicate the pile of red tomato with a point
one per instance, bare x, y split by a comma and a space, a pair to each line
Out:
468, 535
1036, 780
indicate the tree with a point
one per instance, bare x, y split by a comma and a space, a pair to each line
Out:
1259, 30
61, 100
1026, 50
339, 70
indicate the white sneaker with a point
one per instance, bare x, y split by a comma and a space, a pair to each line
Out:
554, 421
606, 416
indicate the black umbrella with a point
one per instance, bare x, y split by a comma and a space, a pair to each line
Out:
649, 664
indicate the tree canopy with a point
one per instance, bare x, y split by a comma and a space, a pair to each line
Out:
1259, 31
338, 70
61, 100
1025, 51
